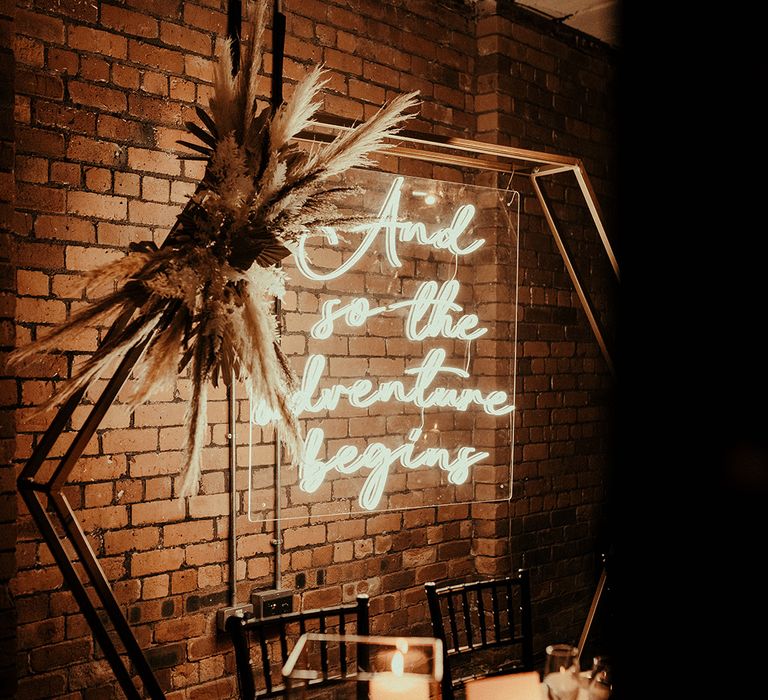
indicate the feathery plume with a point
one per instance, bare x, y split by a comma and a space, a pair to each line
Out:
203, 300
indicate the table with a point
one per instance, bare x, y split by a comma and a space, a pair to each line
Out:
518, 686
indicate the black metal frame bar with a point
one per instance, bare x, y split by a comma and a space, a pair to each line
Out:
48, 507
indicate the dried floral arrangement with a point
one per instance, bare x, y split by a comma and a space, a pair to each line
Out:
204, 299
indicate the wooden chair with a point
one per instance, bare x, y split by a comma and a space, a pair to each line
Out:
485, 627
262, 645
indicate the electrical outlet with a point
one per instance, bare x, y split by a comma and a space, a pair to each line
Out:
244, 610
272, 602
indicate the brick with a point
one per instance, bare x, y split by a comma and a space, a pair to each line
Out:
31, 283
119, 129
31, 581
57, 655
31, 310
41, 633
147, 160
155, 57
152, 214
181, 89
154, 512
30, 169
303, 536
168, 9
46, 685
131, 540
63, 61
28, 51
128, 184
165, 138
125, 76
97, 41
205, 506
39, 142
120, 235
185, 37
205, 18
206, 553
66, 174
94, 69
60, 116
98, 179
97, 205
39, 85
90, 150
222, 687
160, 414
143, 563
129, 22
154, 464
182, 191
97, 96
184, 533
68, 228
49, 29
156, 83
131, 440
155, 587
39, 198
106, 517
198, 67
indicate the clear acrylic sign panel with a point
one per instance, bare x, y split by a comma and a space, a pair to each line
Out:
403, 341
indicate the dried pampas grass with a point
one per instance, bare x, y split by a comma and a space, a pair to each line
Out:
203, 300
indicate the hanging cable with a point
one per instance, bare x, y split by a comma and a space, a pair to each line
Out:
234, 20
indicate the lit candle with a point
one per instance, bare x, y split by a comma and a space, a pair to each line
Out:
398, 685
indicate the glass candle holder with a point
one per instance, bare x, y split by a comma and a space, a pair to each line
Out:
356, 667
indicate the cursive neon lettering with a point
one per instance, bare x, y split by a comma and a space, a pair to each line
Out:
432, 312
393, 230
438, 304
435, 303
379, 458
362, 394
356, 313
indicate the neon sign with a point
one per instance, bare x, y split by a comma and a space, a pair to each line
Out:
393, 230
432, 313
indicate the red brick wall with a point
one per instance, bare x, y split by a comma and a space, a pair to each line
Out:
102, 91
7, 384
544, 88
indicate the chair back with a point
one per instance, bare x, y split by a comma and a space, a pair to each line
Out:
492, 617
262, 645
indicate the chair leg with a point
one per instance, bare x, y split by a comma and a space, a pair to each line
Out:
446, 686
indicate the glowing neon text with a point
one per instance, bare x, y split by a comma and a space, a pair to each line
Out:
433, 312
379, 459
393, 230
362, 394
430, 302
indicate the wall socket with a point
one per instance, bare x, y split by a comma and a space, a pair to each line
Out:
222, 615
272, 602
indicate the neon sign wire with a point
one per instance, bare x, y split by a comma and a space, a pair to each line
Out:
429, 315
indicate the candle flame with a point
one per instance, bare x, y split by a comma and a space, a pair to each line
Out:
398, 663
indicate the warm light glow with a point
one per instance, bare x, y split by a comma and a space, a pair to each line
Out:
432, 313
379, 458
398, 663
397, 684
362, 394
429, 198
429, 314
393, 231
